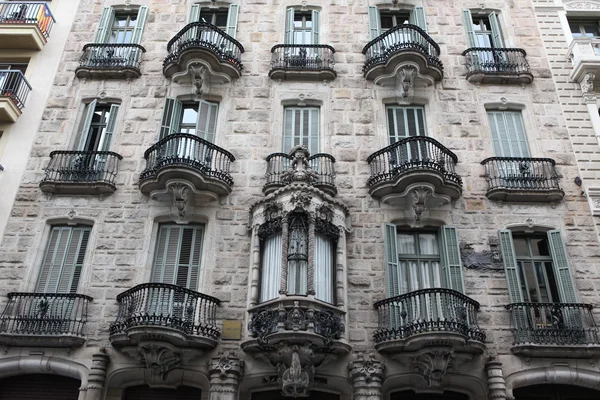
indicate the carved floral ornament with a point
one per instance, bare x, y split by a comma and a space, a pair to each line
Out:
158, 360
582, 5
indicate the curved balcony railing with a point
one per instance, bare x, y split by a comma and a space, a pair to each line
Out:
554, 324
169, 306
206, 36
111, 56
527, 174
321, 165
401, 38
14, 86
305, 57
427, 310
27, 13
412, 154
190, 151
496, 61
44, 314
82, 167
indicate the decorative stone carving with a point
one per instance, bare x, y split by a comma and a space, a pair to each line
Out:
273, 210
485, 260
158, 360
593, 195
295, 381
198, 74
97, 375
496, 382
366, 369
325, 212
180, 197
433, 363
225, 373
301, 199
420, 196
299, 167
587, 83
582, 5
405, 81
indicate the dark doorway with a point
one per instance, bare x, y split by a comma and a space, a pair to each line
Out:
147, 393
276, 395
39, 386
410, 395
555, 392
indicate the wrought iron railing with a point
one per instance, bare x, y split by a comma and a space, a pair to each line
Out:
14, 86
27, 13
169, 306
209, 37
527, 174
412, 154
182, 149
496, 60
401, 38
556, 324
321, 166
427, 310
305, 57
82, 167
111, 56
45, 314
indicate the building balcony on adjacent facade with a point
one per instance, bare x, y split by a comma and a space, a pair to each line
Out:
584, 54
320, 168
81, 172
110, 60
497, 65
44, 319
169, 313
24, 25
404, 54
415, 320
14, 90
522, 179
189, 160
554, 330
302, 62
414, 163
201, 48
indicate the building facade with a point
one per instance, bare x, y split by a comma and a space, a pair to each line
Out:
341, 199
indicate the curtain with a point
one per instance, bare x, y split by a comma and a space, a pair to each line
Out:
324, 264
270, 276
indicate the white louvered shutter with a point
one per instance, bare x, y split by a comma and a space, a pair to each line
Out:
106, 139
171, 117
194, 13
417, 17
508, 134
496, 33
316, 22
139, 25
289, 26
232, 20
106, 22
86, 123
374, 23
468, 23
301, 127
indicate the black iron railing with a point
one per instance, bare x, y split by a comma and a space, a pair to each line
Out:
44, 314
557, 324
427, 310
111, 56
27, 13
182, 149
82, 167
496, 60
306, 57
320, 165
527, 174
206, 36
412, 154
169, 306
14, 86
401, 38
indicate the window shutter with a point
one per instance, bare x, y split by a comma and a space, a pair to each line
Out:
374, 23
88, 114
417, 17
105, 141
232, 19
139, 25
194, 13
496, 34
270, 272
468, 23
206, 126
106, 23
508, 134
177, 259
73, 263
513, 278
171, 117
452, 263
288, 130
313, 130
323, 270
562, 270
316, 22
289, 26
391, 260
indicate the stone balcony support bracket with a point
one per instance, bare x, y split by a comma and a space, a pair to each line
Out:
366, 376
225, 372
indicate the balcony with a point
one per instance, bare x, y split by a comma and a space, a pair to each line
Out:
44, 319
302, 62
404, 46
522, 179
207, 46
584, 55
167, 313
413, 321
81, 173
320, 169
411, 164
198, 164
500, 65
14, 90
103, 60
554, 330
24, 26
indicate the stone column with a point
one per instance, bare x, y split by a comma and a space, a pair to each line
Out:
340, 273
284, 254
366, 375
255, 271
97, 375
225, 373
496, 382
310, 279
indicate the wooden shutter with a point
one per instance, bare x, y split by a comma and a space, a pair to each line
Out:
316, 22
374, 22
451, 261
391, 260
562, 269
301, 127
88, 114
289, 26
417, 17
496, 34
171, 117
508, 134
232, 19
105, 141
206, 126
106, 22
404, 122
194, 13
468, 23
513, 279
139, 25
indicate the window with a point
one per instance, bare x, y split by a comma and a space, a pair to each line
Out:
121, 27
98, 126
482, 30
301, 127
217, 17
302, 27
225, 19
582, 28
194, 118
405, 122
508, 134
382, 20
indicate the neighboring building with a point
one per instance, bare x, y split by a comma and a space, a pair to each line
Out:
229, 201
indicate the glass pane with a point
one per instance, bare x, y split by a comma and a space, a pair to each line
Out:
406, 243
552, 282
221, 20
591, 30
539, 247
575, 30
190, 115
531, 281
481, 25
539, 271
206, 17
120, 21
387, 22
428, 244
427, 279
521, 247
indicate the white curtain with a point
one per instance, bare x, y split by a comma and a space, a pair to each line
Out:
323, 270
270, 277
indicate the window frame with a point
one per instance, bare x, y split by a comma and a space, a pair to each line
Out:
581, 22
313, 140
551, 285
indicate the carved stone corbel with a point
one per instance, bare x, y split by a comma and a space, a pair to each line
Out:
300, 170
158, 360
587, 87
366, 375
405, 81
496, 382
198, 74
433, 364
225, 373
296, 381
97, 375
180, 197
420, 196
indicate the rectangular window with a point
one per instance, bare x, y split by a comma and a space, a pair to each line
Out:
382, 20
121, 27
302, 27
483, 30
584, 28
301, 127
405, 122
98, 126
198, 118
534, 261
226, 19
215, 16
508, 134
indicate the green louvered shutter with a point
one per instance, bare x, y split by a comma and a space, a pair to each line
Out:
139, 25
171, 117
194, 13
301, 127
508, 134
468, 23
374, 23
417, 17
86, 123
289, 26
452, 263
106, 139
106, 22
496, 34
316, 22
206, 126
393, 278
232, 20
562, 270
